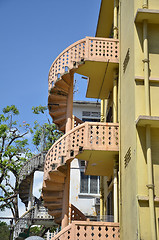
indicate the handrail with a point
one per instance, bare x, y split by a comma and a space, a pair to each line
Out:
25, 214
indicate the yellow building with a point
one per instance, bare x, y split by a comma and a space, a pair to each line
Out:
121, 63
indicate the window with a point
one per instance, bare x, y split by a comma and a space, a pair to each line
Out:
91, 119
89, 184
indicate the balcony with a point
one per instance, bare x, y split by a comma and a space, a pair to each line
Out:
89, 230
93, 57
97, 143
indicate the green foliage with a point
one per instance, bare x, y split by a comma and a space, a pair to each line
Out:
35, 231
14, 152
44, 134
4, 231
39, 109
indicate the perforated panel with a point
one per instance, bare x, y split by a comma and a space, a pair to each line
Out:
103, 136
97, 232
103, 48
90, 231
95, 136
65, 60
96, 49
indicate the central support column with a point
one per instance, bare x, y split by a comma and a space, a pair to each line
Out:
69, 106
30, 199
115, 97
65, 207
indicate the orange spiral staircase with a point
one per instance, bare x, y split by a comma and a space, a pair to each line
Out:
94, 58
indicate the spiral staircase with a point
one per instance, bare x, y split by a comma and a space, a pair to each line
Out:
36, 163
37, 214
90, 57
95, 58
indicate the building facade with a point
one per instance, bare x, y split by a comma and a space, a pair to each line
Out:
85, 189
121, 63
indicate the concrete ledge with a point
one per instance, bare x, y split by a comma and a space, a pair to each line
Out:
142, 121
146, 198
151, 15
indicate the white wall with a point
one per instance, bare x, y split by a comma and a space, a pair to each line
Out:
84, 202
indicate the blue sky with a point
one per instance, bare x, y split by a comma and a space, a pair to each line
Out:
32, 34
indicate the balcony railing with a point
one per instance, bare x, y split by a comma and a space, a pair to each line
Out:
89, 48
89, 230
87, 136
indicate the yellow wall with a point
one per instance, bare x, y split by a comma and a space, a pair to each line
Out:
135, 220
128, 209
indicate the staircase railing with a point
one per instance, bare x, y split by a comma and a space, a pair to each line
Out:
76, 121
89, 48
76, 214
35, 215
89, 136
89, 230
23, 223
33, 164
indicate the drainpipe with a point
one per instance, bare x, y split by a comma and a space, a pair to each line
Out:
115, 113
150, 184
115, 97
115, 91
101, 199
145, 4
115, 171
102, 119
65, 206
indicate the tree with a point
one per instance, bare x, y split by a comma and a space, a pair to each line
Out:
4, 231
14, 152
44, 134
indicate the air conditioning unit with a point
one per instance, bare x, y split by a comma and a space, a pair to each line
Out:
97, 201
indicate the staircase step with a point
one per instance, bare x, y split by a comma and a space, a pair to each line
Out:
57, 98
59, 119
62, 85
57, 173
62, 126
58, 111
53, 186
56, 105
58, 220
66, 78
55, 213
53, 205
58, 90
51, 198
53, 177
